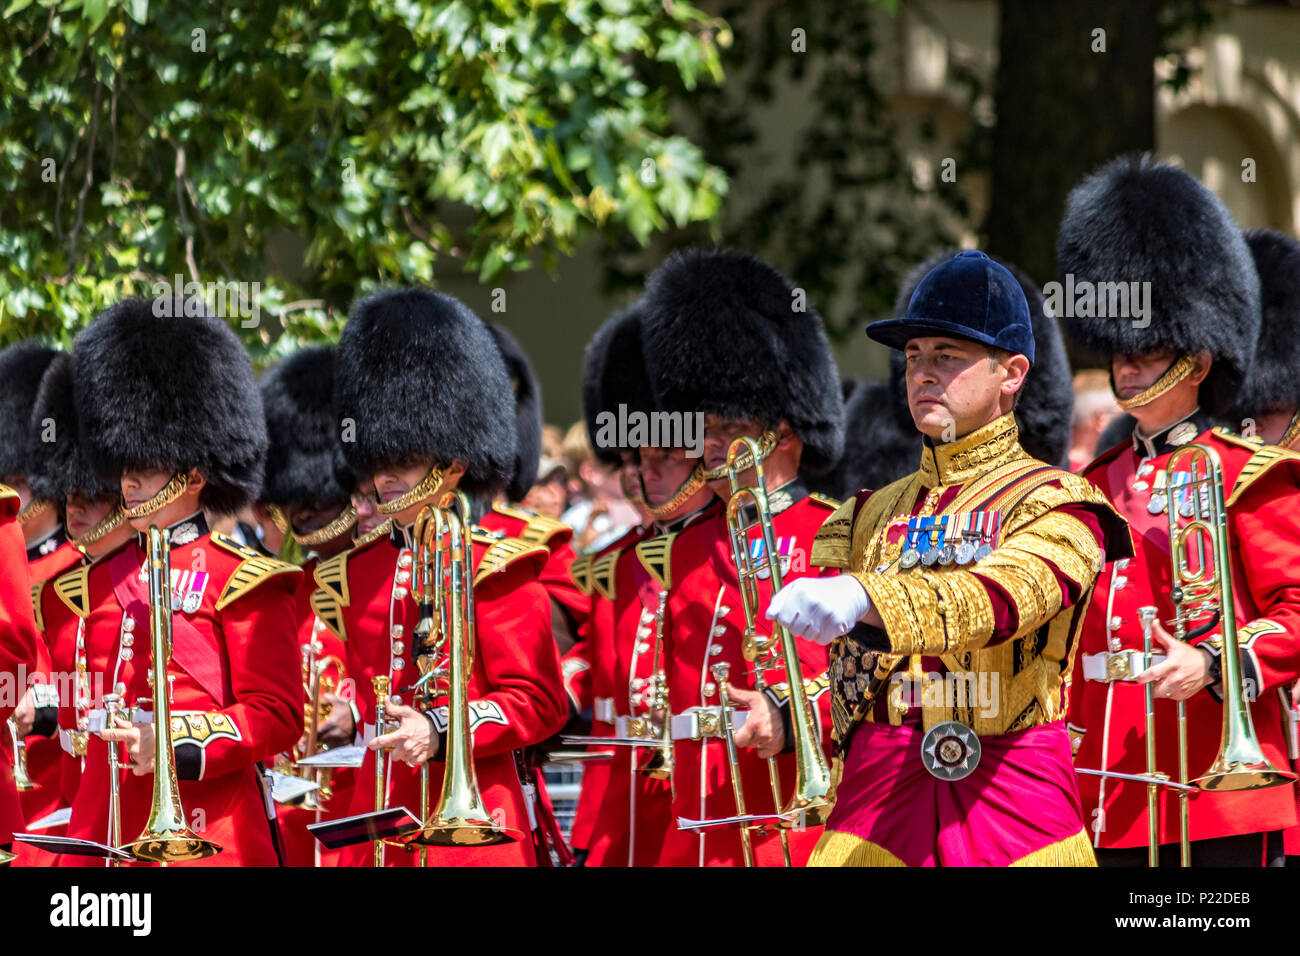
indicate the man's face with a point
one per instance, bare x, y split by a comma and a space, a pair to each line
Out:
953, 386
550, 496
720, 432
84, 512
663, 472
1135, 373
141, 485
368, 516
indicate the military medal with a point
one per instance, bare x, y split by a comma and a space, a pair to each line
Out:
989, 525
187, 589
947, 550
966, 550
911, 555
1157, 503
931, 554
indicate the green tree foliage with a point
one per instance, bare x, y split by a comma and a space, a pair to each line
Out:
327, 148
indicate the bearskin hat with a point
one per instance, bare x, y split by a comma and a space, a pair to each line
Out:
1137, 221
1047, 397
528, 413
614, 374
298, 399
420, 375
726, 333
1118, 430
1274, 379
57, 465
155, 391
21, 368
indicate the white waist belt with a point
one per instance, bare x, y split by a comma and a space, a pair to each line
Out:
1124, 665
603, 710
700, 722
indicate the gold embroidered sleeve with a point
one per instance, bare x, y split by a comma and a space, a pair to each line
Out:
931, 612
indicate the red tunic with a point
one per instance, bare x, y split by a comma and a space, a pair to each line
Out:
1263, 495
706, 626
556, 537
515, 689
300, 847
46, 761
589, 681
18, 641
235, 691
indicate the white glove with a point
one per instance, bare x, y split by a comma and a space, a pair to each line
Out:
820, 609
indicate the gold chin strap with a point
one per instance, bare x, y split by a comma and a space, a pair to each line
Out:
114, 520
691, 485
339, 526
277, 516
1292, 432
766, 443
426, 489
1182, 367
380, 530
169, 493
37, 506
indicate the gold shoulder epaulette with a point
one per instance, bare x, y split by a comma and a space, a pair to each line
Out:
7, 492
656, 556
332, 575
36, 605
833, 543
602, 573
1264, 458
504, 552
329, 611
1234, 438
580, 573
73, 589
252, 570
826, 500
538, 529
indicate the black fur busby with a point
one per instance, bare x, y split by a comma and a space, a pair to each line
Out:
614, 374
57, 466
420, 375
1135, 221
298, 398
880, 445
1047, 396
1274, 380
21, 368
155, 391
726, 333
528, 413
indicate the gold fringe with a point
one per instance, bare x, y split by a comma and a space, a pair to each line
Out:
845, 849
1072, 851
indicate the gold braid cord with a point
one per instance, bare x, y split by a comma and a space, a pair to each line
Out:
1175, 373
169, 493
114, 520
766, 443
339, 526
1292, 432
34, 507
428, 488
691, 485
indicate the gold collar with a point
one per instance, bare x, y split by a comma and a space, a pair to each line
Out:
971, 455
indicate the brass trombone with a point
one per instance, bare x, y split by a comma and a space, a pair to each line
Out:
382, 758
443, 588
808, 804
1205, 588
660, 764
166, 837
21, 778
